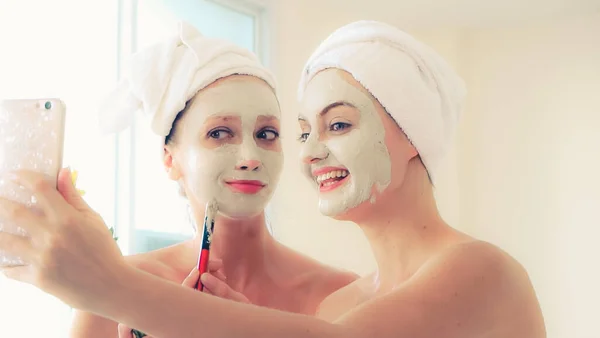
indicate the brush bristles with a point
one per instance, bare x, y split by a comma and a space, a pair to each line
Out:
211, 209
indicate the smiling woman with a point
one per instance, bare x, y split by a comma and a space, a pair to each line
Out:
208, 154
363, 151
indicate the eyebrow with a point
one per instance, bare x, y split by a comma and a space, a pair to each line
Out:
268, 118
221, 118
329, 107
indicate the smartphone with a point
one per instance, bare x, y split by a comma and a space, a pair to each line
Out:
32, 138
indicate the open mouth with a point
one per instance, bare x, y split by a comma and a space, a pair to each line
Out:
332, 179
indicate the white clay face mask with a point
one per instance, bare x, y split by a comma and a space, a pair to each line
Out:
361, 151
208, 170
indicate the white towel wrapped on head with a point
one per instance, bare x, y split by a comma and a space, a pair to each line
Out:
410, 80
160, 79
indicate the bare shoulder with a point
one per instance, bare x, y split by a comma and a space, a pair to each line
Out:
475, 261
159, 263
481, 268
344, 299
149, 262
324, 282
482, 280
309, 271
332, 279
325, 278
312, 280
468, 289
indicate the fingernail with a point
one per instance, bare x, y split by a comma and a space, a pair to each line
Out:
74, 176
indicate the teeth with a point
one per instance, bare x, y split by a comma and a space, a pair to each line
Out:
331, 174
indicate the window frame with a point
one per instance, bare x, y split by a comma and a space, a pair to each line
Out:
125, 166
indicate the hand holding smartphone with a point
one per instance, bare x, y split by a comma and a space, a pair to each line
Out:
31, 138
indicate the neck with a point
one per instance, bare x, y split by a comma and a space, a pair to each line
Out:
242, 245
401, 228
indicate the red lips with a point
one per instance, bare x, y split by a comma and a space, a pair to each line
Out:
245, 186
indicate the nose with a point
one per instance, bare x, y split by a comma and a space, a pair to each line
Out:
249, 165
311, 160
313, 151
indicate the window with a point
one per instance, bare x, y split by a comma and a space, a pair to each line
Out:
73, 50
160, 217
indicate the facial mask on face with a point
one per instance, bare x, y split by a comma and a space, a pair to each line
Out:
362, 151
208, 169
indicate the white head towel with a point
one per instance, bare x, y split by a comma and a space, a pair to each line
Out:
163, 77
410, 80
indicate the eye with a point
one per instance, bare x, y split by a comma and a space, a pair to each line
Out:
303, 137
219, 134
339, 126
267, 134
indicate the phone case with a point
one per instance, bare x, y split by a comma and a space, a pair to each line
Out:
31, 138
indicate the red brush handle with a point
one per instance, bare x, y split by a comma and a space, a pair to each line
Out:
202, 267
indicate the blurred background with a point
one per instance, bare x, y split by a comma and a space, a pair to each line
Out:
523, 173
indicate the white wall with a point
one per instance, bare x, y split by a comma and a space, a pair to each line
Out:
524, 172
530, 159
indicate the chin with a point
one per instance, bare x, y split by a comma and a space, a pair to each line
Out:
350, 215
343, 213
234, 211
240, 214
240, 206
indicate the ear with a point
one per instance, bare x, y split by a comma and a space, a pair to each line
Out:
171, 165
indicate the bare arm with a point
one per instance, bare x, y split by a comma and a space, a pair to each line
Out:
201, 315
89, 325
458, 295
465, 292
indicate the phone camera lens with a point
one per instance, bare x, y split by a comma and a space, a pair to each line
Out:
48, 105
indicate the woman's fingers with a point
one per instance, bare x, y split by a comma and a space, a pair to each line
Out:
47, 197
16, 245
66, 187
69, 251
215, 264
220, 275
214, 267
124, 331
192, 279
20, 214
20, 273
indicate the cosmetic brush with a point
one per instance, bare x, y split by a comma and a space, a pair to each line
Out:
207, 232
